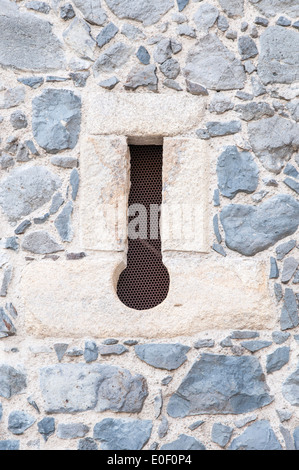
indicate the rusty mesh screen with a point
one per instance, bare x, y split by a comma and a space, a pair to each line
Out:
144, 283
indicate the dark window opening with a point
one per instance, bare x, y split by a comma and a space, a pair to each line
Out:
144, 283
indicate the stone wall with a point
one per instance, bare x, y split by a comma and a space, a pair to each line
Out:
215, 366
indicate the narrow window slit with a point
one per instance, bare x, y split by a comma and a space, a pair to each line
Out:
144, 283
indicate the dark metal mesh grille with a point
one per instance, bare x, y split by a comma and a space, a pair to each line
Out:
144, 284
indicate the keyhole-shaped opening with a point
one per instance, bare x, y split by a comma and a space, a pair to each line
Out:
144, 283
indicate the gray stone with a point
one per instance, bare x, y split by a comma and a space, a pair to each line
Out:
290, 388
184, 442
247, 47
112, 350
205, 17
91, 11
142, 76
287, 438
196, 89
250, 229
79, 78
293, 108
222, 23
6, 161
41, 7
110, 83
72, 430
6, 326
240, 423
231, 34
132, 32
78, 37
274, 7
226, 342
220, 103
296, 438
219, 249
112, 59
274, 271
56, 120
57, 202
221, 434
26, 189
40, 242
19, 422
18, 120
30, 145
186, 30
176, 46
64, 162
296, 277
143, 55
279, 337
182, 4
290, 265
204, 343
33, 404
284, 415
256, 345
75, 352
195, 425
216, 228
244, 26
284, 248
22, 154
91, 351
241, 95
220, 385
277, 359
72, 388
289, 313
254, 111
249, 66
233, 8
87, 444
10, 243
63, 223
162, 356
166, 380
7, 277
163, 427
258, 436
60, 349
158, 403
278, 60
122, 434
294, 185
75, 256
11, 97
11, 310
147, 11
110, 341
42, 219
163, 51
219, 129
170, 68
32, 82
46, 427
212, 65
290, 170
169, 83
257, 88
283, 21
32, 40
236, 172
10, 445
107, 33
216, 198
261, 21
296, 24
67, 12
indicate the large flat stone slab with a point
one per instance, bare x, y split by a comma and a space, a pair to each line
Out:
78, 298
141, 114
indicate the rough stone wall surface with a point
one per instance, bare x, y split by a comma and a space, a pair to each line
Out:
216, 365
